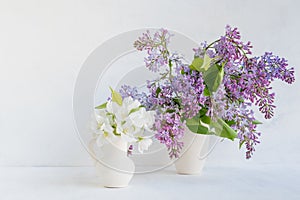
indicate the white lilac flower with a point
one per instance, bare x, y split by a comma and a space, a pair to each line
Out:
143, 119
143, 144
125, 119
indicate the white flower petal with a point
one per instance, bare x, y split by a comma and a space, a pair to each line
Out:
133, 104
128, 138
112, 107
138, 117
143, 118
100, 115
144, 144
150, 119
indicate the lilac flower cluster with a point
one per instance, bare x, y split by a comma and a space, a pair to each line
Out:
244, 118
161, 95
230, 48
247, 80
179, 94
170, 131
168, 126
189, 84
156, 48
142, 97
218, 106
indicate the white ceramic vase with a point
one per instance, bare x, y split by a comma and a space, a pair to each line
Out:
191, 160
114, 168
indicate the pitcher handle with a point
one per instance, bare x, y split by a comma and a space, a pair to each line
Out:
211, 149
91, 149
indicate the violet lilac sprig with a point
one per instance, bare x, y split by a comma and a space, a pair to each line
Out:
174, 96
142, 97
247, 80
156, 47
220, 89
169, 131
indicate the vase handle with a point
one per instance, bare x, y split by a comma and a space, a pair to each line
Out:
210, 150
91, 149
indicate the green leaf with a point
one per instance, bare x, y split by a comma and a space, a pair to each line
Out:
115, 96
135, 109
102, 106
202, 112
202, 64
256, 122
196, 64
222, 129
205, 119
213, 77
230, 122
206, 62
170, 63
158, 90
226, 131
206, 92
201, 123
200, 130
195, 126
177, 101
241, 144
192, 68
170, 110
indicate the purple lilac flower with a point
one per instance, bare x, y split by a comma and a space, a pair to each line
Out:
246, 128
179, 93
169, 132
142, 97
250, 78
168, 126
129, 150
179, 96
161, 95
230, 48
247, 80
241, 113
189, 85
156, 48
202, 49
252, 81
217, 104
174, 95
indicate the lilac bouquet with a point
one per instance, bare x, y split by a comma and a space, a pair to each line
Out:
214, 94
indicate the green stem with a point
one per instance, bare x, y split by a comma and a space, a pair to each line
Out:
212, 44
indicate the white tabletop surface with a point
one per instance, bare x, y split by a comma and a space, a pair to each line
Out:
217, 182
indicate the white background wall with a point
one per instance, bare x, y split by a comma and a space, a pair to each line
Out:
44, 43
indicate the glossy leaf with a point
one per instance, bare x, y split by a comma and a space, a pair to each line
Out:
195, 125
222, 129
206, 92
199, 124
158, 90
206, 62
202, 112
197, 64
134, 110
213, 77
256, 122
241, 144
116, 97
102, 106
